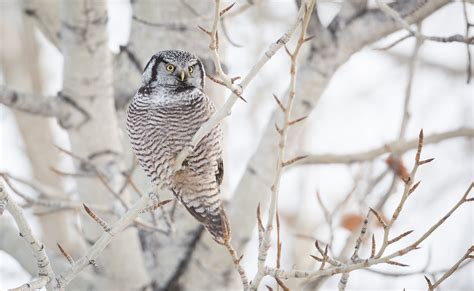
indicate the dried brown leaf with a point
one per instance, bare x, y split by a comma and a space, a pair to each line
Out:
397, 166
352, 221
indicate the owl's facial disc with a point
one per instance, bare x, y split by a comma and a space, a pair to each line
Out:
174, 70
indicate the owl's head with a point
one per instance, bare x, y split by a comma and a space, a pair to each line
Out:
174, 70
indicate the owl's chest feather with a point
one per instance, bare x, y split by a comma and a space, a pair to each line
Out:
158, 133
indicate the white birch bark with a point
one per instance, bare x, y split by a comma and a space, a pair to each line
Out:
172, 25
88, 81
21, 71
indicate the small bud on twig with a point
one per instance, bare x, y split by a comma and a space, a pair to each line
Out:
309, 38
233, 79
99, 220
65, 254
396, 263
316, 258
155, 206
425, 161
282, 107
278, 129
204, 30
223, 11
325, 257
430, 285
379, 218
294, 160
399, 237
420, 146
373, 247
297, 120
413, 188
259, 219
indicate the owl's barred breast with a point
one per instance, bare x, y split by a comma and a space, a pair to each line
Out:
159, 132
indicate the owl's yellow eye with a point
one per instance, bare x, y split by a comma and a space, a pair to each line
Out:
169, 68
190, 69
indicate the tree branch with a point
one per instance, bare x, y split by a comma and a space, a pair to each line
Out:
225, 110
284, 274
265, 244
392, 147
67, 112
65, 277
45, 271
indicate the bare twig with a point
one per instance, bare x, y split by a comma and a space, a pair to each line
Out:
65, 277
284, 274
65, 254
468, 50
467, 256
236, 261
393, 147
97, 219
307, 9
409, 188
46, 274
225, 110
394, 14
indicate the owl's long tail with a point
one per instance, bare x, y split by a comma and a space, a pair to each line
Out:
210, 213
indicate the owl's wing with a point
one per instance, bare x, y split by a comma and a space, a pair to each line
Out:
220, 171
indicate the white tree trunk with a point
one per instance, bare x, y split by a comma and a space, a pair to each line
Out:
88, 82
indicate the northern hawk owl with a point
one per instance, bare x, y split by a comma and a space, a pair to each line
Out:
162, 118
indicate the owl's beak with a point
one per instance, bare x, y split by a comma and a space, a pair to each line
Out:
183, 75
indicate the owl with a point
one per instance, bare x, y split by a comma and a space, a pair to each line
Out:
165, 113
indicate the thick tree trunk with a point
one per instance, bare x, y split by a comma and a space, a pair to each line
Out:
88, 82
